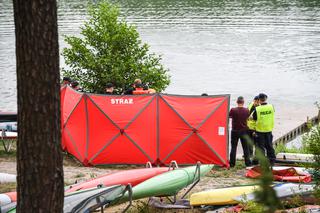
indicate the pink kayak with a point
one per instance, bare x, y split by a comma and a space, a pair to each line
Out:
132, 176
7, 198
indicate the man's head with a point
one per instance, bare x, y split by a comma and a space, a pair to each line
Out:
240, 101
137, 81
109, 87
256, 101
66, 81
262, 98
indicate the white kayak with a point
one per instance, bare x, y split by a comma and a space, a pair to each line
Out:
7, 178
284, 190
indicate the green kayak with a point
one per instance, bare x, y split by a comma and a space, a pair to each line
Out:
167, 184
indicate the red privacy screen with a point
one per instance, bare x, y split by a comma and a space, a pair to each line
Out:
104, 129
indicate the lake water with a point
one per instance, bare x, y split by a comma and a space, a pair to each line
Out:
235, 47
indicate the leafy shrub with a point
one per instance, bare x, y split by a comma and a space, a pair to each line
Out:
312, 141
110, 51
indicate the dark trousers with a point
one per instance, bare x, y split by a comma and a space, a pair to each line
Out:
243, 136
264, 143
252, 142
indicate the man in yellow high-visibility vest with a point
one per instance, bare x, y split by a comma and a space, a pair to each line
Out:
252, 124
264, 117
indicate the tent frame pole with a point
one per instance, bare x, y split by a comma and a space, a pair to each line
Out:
196, 180
129, 189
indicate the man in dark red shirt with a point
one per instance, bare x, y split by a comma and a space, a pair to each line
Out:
239, 115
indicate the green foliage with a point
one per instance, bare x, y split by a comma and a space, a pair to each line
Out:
312, 141
110, 51
266, 194
284, 149
294, 202
251, 207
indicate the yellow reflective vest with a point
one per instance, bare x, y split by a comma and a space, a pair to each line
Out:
265, 118
250, 122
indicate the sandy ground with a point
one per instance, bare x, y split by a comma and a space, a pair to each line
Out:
75, 172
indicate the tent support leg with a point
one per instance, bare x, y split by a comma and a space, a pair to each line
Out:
174, 200
148, 164
129, 189
173, 165
196, 180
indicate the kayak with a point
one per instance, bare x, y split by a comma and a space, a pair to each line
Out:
167, 184
7, 178
8, 135
285, 190
7, 198
8, 207
222, 196
82, 201
85, 200
132, 176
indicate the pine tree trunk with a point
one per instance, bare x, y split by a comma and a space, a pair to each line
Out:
39, 158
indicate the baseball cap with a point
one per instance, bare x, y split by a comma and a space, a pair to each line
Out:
109, 85
262, 96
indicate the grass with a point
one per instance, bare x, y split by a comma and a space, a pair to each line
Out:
282, 148
8, 155
223, 172
7, 187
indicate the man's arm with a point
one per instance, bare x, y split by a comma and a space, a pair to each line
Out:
254, 115
231, 113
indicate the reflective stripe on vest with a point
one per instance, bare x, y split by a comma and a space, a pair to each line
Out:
265, 118
140, 91
250, 122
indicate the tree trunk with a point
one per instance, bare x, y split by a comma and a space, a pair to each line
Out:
39, 157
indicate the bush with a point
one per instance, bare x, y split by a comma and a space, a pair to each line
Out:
111, 51
312, 141
266, 195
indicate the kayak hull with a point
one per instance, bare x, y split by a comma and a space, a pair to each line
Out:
167, 184
133, 176
223, 196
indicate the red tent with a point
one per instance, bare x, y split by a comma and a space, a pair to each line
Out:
104, 129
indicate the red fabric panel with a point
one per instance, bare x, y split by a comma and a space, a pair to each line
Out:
120, 151
121, 109
144, 129
192, 151
172, 130
209, 131
101, 129
71, 98
62, 94
193, 109
111, 119
76, 126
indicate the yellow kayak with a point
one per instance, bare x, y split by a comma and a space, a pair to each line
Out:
223, 196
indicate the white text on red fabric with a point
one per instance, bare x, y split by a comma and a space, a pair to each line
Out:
121, 101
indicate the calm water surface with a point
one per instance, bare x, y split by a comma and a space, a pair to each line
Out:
236, 47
